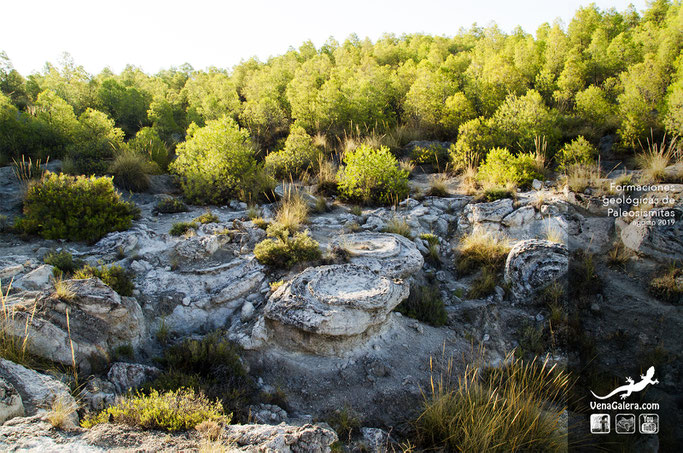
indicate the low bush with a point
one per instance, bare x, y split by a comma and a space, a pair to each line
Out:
207, 217
170, 206
515, 407
496, 193
113, 276
210, 365
75, 208
433, 154
298, 155
479, 250
425, 304
131, 171
63, 262
372, 176
180, 228
501, 168
668, 286
176, 410
577, 152
283, 251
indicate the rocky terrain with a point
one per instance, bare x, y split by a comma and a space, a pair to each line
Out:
328, 337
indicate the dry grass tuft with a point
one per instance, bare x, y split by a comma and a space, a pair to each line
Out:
479, 250
60, 414
292, 213
654, 160
516, 407
398, 225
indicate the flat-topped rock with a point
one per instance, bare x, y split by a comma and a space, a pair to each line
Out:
386, 253
330, 309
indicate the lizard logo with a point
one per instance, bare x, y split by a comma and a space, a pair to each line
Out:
632, 386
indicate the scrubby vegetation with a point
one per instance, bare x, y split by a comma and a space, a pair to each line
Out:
425, 304
479, 250
283, 251
372, 176
170, 206
298, 155
175, 410
113, 276
74, 208
214, 161
667, 285
515, 407
210, 366
63, 262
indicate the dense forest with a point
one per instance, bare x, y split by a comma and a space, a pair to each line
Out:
605, 73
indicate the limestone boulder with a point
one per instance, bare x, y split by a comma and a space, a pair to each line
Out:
660, 239
204, 298
385, 253
93, 319
330, 309
532, 265
36, 390
11, 404
129, 376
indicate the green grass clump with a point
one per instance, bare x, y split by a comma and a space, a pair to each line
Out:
282, 251
207, 217
170, 206
425, 304
75, 208
496, 193
176, 410
517, 407
131, 171
667, 287
210, 365
63, 262
479, 250
484, 284
113, 276
180, 228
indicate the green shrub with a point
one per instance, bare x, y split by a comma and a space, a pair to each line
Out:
63, 262
178, 410
113, 276
433, 154
425, 304
214, 161
372, 175
578, 152
170, 206
180, 228
298, 155
496, 193
207, 217
75, 208
502, 168
283, 251
474, 140
210, 365
131, 171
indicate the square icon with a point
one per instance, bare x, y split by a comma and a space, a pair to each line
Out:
649, 423
625, 423
600, 423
